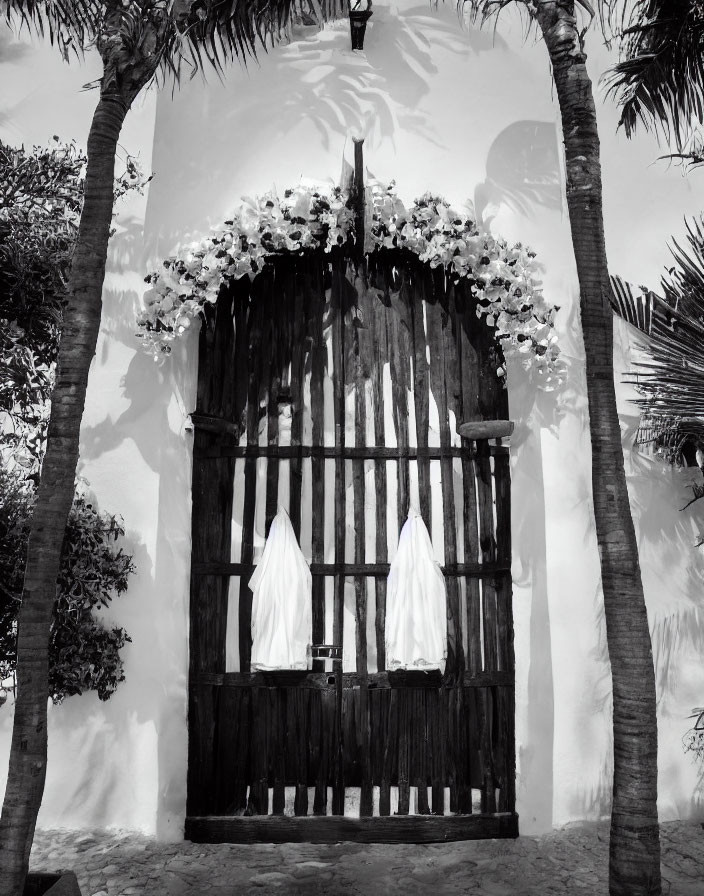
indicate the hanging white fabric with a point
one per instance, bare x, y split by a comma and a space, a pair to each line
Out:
416, 604
282, 621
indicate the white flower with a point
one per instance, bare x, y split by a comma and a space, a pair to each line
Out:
505, 279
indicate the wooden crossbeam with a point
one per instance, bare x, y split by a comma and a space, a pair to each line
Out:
368, 452
476, 570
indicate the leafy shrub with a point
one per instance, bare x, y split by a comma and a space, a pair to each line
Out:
41, 195
83, 653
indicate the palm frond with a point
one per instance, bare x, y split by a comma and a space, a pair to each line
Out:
636, 308
670, 383
192, 34
660, 79
70, 24
216, 32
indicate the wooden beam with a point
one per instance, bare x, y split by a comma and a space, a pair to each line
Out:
485, 429
370, 452
332, 829
478, 570
326, 680
210, 423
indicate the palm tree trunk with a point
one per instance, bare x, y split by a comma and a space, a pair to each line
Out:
634, 866
27, 770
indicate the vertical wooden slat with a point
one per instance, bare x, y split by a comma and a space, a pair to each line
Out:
318, 364
338, 786
240, 752
258, 788
301, 700
297, 295
474, 643
438, 321
360, 582
376, 735
488, 798
327, 728
349, 736
202, 729
490, 623
474, 747
423, 751
291, 741
449, 728
464, 791
315, 743
420, 288
403, 751
277, 715
506, 704
502, 476
378, 324
469, 410
339, 416
499, 745
436, 746
337, 293
362, 353
492, 402
485, 501
390, 714
268, 397
225, 761
506, 735
487, 543
272, 464
502, 481
272, 429
399, 357
261, 285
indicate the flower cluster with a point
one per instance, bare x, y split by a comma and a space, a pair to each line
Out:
504, 278
305, 218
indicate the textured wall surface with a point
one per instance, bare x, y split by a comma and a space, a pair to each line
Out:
463, 113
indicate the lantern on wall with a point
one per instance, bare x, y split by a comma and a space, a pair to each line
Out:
358, 22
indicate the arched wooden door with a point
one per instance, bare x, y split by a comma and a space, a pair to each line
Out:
341, 401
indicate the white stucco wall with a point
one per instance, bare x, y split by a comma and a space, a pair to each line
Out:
466, 114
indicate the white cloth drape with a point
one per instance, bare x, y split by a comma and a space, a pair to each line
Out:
282, 621
416, 605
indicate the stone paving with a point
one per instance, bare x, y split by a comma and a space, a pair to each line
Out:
569, 861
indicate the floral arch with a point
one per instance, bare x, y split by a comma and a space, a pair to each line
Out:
505, 278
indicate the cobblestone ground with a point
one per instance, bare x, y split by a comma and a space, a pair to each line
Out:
570, 861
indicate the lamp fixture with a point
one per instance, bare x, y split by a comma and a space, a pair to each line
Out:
358, 22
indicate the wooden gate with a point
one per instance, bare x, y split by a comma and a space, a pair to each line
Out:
340, 400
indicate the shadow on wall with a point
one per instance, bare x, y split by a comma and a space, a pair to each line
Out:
156, 670
145, 420
292, 105
593, 800
522, 172
133, 748
109, 741
529, 567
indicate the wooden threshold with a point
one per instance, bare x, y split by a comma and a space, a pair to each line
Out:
336, 828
